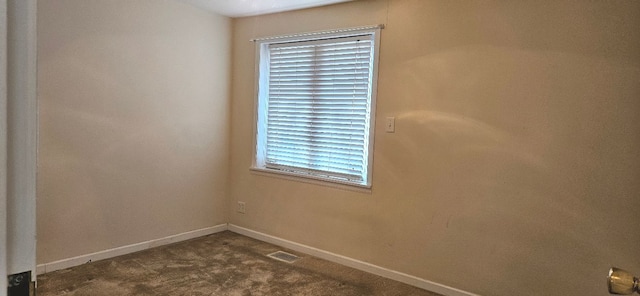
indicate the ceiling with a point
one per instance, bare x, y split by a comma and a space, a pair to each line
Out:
240, 8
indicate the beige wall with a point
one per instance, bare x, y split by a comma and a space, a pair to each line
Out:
133, 125
514, 168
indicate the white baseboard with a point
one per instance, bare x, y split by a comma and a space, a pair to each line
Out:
326, 255
119, 251
353, 263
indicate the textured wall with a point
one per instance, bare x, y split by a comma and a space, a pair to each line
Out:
133, 124
515, 157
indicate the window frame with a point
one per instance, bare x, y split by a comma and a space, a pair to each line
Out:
259, 123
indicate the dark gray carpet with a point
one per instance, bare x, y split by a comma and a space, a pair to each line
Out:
220, 264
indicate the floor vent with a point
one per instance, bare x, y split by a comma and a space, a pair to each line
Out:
284, 256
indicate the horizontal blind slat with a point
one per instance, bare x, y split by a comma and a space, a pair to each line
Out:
318, 166
319, 138
311, 155
342, 144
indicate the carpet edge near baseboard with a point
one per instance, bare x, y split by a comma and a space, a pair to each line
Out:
326, 255
128, 249
353, 263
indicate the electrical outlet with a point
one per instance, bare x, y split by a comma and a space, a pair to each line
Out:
241, 207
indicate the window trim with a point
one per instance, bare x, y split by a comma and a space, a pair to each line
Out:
261, 45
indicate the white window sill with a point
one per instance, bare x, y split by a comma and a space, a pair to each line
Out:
311, 180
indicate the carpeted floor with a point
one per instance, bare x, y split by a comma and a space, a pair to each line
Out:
220, 264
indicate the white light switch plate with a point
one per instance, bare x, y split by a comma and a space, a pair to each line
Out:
390, 126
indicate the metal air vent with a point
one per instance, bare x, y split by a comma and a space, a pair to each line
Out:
284, 256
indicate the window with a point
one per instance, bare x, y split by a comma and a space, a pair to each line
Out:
316, 105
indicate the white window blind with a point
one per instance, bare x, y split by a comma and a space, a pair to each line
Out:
315, 103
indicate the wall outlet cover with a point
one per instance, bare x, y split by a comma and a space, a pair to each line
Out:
241, 207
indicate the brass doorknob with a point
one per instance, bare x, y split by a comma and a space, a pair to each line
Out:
622, 282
